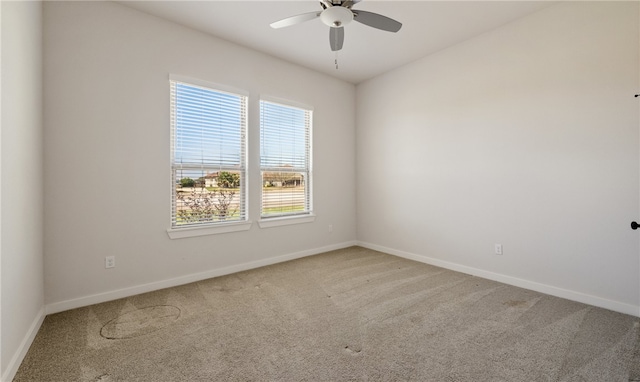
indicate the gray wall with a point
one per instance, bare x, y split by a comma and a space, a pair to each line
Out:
21, 262
107, 177
526, 136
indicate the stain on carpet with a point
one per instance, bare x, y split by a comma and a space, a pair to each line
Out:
140, 322
353, 350
514, 303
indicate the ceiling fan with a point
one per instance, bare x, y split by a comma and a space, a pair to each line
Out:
336, 14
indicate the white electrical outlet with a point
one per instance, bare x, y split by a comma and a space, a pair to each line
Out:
110, 262
498, 249
330, 228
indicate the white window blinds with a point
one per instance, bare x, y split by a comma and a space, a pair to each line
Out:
285, 159
208, 155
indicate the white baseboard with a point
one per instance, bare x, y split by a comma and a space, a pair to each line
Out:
600, 302
61, 306
16, 360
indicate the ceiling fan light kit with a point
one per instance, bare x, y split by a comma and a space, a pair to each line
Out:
336, 17
336, 14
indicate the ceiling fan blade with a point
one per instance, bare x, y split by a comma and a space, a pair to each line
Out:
349, 3
377, 21
293, 20
336, 38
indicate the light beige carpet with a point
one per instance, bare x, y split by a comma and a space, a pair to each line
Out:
351, 314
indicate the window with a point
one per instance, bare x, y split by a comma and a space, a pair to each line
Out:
285, 160
208, 155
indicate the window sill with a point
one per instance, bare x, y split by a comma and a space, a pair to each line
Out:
287, 220
180, 233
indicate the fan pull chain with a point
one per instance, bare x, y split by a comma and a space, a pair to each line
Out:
336, 61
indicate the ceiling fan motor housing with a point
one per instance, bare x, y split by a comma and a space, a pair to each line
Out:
336, 16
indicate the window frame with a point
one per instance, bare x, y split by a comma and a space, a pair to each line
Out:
213, 227
308, 215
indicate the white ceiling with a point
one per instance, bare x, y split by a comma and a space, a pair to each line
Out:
428, 26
